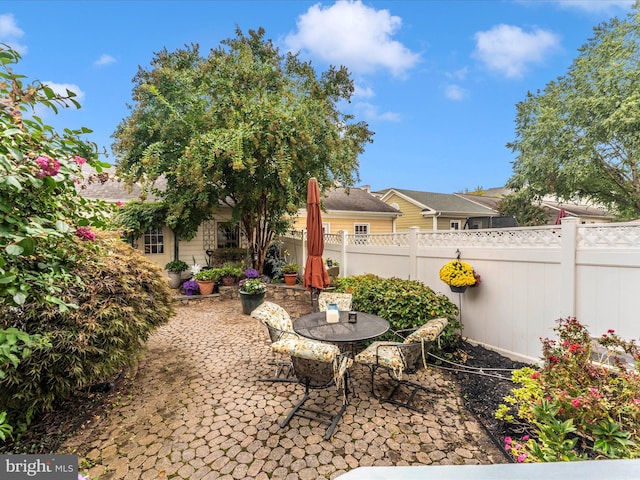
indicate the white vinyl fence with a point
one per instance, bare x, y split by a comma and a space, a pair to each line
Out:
531, 276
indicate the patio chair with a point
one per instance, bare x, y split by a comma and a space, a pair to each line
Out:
397, 358
343, 300
278, 324
316, 365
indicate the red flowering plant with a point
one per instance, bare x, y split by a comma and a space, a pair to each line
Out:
584, 401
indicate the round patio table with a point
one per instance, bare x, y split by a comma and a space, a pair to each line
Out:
343, 333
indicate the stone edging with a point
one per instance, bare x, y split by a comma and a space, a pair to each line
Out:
274, 292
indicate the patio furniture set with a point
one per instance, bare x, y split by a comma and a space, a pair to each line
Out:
318, 353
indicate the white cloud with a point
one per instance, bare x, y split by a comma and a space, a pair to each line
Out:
61, 89
459, 74
363, 92
455, 92
355, 35
370, 112
10, 33
104, 60
595, 5
509, 50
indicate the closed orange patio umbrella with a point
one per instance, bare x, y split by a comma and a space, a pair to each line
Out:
315, 274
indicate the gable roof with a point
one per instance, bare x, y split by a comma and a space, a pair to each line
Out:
492, 198
355, 200
107, 186
431, 202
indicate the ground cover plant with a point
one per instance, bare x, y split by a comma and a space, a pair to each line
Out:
584, 402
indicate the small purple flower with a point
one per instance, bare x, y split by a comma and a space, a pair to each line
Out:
251, 273
190, 286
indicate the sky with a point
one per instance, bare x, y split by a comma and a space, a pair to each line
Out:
437, 81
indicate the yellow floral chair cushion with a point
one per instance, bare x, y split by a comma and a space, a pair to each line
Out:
384, 354
273, 315
428, 332
306, 348
343, 300
401, 356
315, 351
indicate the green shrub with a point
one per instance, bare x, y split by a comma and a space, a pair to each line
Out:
223, 255
403, 303
176, 266
124, 298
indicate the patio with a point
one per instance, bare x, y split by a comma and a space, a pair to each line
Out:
197, 411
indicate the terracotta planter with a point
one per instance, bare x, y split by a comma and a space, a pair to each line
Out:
228, 280
290, 278
206, 288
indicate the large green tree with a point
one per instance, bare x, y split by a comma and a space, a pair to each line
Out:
581, 135
246, 126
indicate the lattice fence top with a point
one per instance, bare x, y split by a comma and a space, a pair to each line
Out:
498, 237
626, 235
619, 235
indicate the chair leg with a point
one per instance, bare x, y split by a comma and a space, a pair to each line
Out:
409, 398
299, 410
284, 373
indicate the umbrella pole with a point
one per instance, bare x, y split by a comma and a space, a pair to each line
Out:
315, 293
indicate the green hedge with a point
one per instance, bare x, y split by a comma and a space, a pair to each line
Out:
404, 303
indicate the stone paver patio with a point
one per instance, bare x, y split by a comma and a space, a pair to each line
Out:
198, 411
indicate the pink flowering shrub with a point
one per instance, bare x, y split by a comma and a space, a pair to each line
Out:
85, 233
49, 167
583, 402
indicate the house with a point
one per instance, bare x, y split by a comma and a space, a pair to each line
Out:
353, 211
159, 244
431, 211
586, 212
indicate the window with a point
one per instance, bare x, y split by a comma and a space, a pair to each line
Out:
154, 241
228, 237
326, 227
361, 231
454, 225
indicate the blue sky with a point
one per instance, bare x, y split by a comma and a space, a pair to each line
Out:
437, 81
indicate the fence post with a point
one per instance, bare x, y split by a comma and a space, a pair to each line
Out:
568, 247
413, 252
343, 253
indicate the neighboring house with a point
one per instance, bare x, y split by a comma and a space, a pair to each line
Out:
355, 211
431, 211
587, 213
159, 244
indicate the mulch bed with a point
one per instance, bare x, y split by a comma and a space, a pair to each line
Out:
483, 391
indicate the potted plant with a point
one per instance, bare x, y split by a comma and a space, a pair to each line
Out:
459, 275
290, 273
206, 280
175, 269
230, 272
252, 292
190, 287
